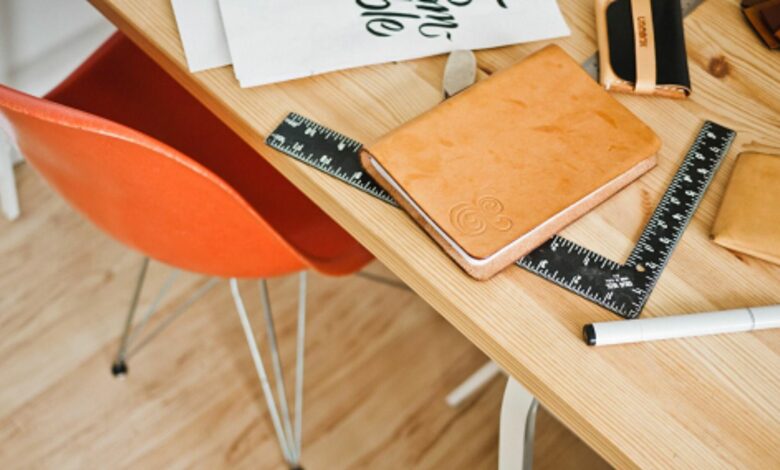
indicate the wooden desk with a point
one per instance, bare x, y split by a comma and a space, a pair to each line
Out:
706, 402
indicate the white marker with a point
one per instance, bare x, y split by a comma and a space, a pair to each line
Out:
682, 326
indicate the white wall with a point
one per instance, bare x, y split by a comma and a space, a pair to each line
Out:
41, 41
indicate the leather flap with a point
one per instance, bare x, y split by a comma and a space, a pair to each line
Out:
749, 216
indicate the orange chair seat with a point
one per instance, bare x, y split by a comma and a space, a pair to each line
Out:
120, 83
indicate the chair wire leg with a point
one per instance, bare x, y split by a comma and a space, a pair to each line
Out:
137, 345
276, 363
119, 367
299, 360
261, 373
152, 308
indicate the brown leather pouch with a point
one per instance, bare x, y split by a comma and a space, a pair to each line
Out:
764, 17
642, 47
499, 168
748, 220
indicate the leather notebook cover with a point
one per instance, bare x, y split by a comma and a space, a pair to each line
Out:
749, 216
497, 170
642, 47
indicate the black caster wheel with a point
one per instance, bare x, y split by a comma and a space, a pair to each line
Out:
119, 369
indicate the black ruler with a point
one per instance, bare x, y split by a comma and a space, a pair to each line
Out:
621, 288
327, 151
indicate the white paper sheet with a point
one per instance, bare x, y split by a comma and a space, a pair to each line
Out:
276, 40
202, 34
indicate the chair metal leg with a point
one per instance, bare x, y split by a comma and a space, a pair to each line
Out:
517, 428
137, 345
154, 306
133, 337
119, 367
261, 373
276, 364
299, 359
288, 435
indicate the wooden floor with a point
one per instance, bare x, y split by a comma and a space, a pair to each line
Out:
379, 363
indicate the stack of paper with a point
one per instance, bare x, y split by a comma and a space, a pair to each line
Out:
270, 41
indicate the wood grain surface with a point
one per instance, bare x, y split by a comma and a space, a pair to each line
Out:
705, 402
379, 365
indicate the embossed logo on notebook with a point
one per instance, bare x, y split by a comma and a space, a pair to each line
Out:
474, 218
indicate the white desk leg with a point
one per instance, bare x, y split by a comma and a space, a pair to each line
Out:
517, 428
472, 384
9, 201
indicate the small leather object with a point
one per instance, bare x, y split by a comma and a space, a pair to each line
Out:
748, 220
759, 16
642, 47
501, 167
771, 15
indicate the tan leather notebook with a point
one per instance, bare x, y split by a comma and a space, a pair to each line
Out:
497, 170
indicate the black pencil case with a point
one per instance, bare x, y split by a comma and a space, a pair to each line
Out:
642, 47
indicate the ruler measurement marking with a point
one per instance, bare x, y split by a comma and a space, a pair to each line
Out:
621, 288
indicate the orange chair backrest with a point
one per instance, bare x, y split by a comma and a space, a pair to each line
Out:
145, 193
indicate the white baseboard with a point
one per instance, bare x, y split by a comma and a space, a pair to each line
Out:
39, 77
42, 41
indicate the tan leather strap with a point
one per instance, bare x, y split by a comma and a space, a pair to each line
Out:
644, 46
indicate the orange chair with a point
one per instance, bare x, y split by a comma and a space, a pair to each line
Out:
148, 164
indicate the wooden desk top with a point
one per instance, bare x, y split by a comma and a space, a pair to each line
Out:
704, 402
